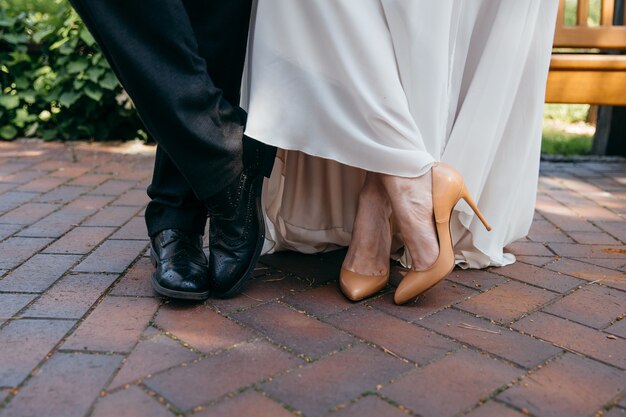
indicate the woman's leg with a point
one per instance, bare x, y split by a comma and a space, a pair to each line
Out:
412, 202
411, 199
369, 249
365, 270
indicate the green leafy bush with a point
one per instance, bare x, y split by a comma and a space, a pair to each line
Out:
55, 82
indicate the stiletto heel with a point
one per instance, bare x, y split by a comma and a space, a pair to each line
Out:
468, 199
448, 188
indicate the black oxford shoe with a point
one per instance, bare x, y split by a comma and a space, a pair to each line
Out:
236, 225
182, 269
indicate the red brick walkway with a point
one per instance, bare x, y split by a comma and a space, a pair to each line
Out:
82, 334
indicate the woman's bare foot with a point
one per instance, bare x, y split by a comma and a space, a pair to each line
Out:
412, 203
370, 247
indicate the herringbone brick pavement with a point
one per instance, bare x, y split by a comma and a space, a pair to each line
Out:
82, 333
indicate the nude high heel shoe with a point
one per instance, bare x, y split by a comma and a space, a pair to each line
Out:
448, 188
357, 286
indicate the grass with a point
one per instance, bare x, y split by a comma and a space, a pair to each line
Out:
567, 113
559, 142
565, 131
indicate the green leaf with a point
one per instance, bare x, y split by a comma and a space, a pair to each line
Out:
78, 84
15, 38
8, 132
49, 134
77, 66
68, 98
43, 70
31, 130
93, 92
94, 73
58, 44
38, 36
7, 22
29, 96
9, 101
86, 37
69, 47
19, 56
22, 117
109, 81
22, 83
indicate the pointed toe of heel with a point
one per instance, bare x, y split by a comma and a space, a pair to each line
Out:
402, 296
357, 287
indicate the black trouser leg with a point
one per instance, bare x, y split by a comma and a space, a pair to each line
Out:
170, 55
173, 204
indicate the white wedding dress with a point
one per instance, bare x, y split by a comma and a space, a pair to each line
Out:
392, 86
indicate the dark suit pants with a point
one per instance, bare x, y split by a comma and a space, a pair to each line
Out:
181, 62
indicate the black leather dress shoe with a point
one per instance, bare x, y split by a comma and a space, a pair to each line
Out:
236, 224
182, 270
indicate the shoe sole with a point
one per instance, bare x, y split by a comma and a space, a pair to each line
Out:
236, 289
179, 295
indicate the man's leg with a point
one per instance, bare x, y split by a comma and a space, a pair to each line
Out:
153, 49
173, 205
236, 238
222, 45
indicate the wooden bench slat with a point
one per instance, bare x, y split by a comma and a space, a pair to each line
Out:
606, 17
590, 87
560, 17
582, 12
588, 62
603, 37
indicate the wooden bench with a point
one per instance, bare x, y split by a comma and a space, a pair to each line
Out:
593, 75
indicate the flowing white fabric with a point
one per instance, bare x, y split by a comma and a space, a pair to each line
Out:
392, 86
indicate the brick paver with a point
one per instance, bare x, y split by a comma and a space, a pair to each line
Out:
249, 404
575, 337
469, 377
570, 386
336, 379
62, 387
10, 304
201, 327
71, 296
24, 344
507, 302
522, 350
154, 354
207, 380
494, 409
370, 406
80, 240
394, 335
593, 305
114, 325
540, 276
304, 335
619, 328
83, 334
437, 298
132, 402
38, 273
134, 282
